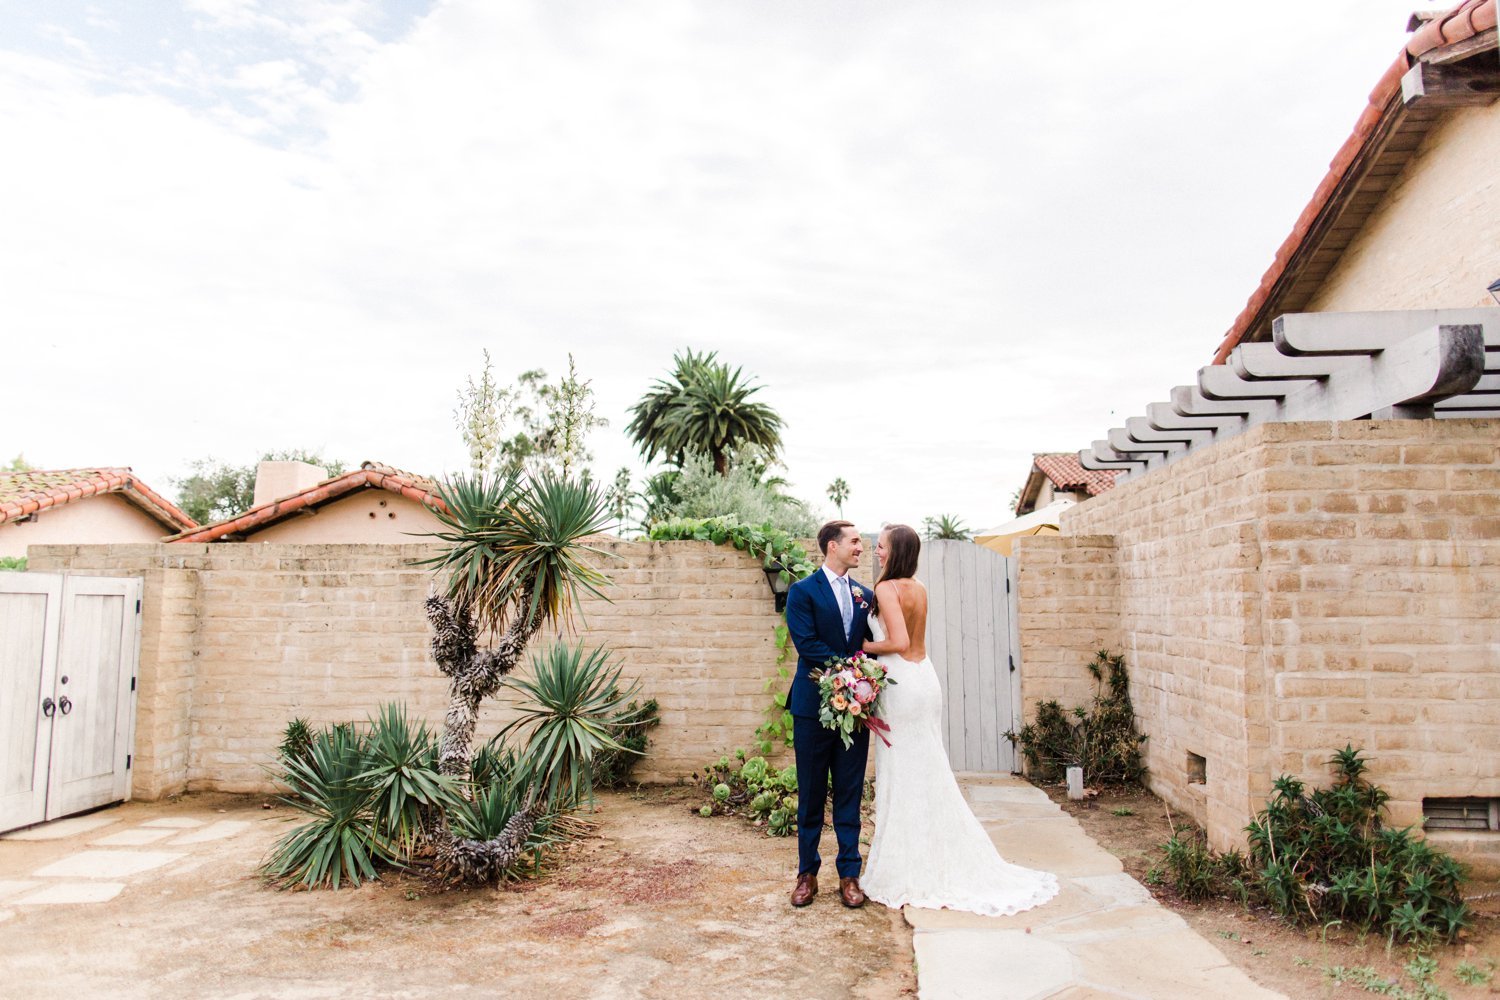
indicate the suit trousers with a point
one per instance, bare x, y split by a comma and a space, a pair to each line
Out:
821, 757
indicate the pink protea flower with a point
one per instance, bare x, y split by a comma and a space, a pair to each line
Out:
864, 692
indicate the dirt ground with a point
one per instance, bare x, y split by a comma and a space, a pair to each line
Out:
658, 902
1273, 953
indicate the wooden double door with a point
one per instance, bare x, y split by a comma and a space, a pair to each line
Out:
69, 646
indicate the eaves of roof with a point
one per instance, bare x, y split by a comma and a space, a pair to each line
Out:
28, 493
368, 476
1385, 136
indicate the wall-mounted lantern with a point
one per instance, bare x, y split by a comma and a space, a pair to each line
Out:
777, 577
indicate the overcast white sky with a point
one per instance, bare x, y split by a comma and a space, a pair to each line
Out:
944, 235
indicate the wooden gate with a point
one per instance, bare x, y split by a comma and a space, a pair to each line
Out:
973, 640
68, 652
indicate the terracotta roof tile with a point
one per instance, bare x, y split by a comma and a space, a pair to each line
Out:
1447, 28
23, 493
1067, 473
370, 475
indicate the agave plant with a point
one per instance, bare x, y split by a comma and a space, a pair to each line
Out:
342, 841
572, 712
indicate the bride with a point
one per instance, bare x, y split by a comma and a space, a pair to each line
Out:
928, 849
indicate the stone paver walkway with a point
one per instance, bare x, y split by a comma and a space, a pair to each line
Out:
1103, 935
107, 865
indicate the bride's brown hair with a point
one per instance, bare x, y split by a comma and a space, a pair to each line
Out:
903, 545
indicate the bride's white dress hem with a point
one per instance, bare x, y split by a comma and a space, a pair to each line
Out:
929, 850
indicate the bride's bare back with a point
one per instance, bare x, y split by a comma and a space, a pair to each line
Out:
911, 597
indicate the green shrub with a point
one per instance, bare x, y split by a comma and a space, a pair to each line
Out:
742, 493
13, 563
1102, 739
1323, 856
631, 724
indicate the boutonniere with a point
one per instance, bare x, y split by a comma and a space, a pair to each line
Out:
858, 594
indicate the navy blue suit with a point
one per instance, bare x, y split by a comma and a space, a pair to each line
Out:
817, 630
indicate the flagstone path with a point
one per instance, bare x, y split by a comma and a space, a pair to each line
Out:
1102, 936
107, 864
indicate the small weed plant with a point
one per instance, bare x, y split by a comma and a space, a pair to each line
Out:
1419, 971
1101, 739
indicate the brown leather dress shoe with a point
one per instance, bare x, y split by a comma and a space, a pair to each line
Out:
807, 888
850, 892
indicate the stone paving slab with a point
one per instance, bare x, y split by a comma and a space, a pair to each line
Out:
68, 893
1102, 936
61, 829
990, 965
14, 888
174, 822
138, 837
214, 831
106, 864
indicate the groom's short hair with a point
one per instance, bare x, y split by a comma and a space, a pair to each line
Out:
830, 533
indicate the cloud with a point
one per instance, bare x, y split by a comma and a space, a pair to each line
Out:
981, 228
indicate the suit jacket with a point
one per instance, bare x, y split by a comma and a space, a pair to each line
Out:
817, 630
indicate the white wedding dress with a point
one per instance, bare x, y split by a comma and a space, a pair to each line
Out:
929, 850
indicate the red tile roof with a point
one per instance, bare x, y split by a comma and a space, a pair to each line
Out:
1458, 24
1066, 473
24, 493
370, 475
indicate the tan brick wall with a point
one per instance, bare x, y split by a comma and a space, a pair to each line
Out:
1068, 601
1434, 242
1297, 588
238, 639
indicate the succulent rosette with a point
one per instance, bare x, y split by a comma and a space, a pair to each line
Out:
850, 691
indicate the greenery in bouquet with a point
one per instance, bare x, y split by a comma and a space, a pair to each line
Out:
849, 691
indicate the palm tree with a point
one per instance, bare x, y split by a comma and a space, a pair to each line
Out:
946, 526
512, 561
838, 492
704, 406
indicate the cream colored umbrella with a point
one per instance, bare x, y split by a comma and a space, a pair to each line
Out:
1038, 522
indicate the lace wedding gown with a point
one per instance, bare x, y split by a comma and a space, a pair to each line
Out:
929, 850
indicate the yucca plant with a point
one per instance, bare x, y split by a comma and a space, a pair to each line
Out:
512, 557
341, 842
512, 560
401, 772
572, 712
295, 739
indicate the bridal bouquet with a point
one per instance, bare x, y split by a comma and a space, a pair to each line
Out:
850, 690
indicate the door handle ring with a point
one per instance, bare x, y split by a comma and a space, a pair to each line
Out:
48, 707
64, 705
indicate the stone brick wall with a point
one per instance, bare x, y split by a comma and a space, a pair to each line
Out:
239, 638
1297, 588
1068, 601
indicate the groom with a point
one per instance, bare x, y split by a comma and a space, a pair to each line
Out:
825, 614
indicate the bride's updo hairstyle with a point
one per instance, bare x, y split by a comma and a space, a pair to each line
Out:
903, 545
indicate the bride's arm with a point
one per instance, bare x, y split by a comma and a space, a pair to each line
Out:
896, 640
